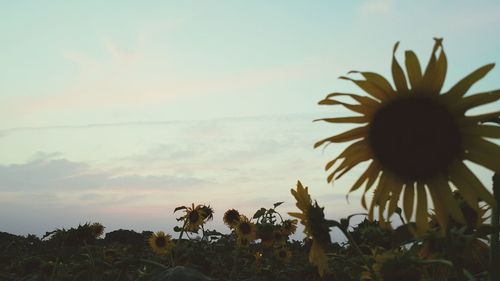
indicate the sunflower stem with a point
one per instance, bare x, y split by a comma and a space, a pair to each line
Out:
356, 248
494, 243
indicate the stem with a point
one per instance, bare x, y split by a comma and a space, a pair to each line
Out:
182, 232
357, 249
495, 222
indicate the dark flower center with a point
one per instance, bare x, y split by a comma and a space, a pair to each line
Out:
232, 216
160, 242
415, 138
194, 216
245, 228
282, 254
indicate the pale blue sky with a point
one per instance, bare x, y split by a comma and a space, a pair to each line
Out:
118, 111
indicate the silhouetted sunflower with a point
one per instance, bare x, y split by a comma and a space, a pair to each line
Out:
161, 243
231, 218
246, 229
316, 226
394, 266
288, 227
417, 139
283, 254
195, 217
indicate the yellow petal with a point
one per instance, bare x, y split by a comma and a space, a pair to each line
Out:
379, 81
483, 152
370, 88
408, 200
318, 258
413, 69
395, 194
374, 175
434, 74
459, 90
466, 191
422, 211
462, 175
487, 117
363, 177
363, 100
397, 73
349, 163
487, 131
463, 105
351, 150
350, 135
440, 209
443, 191
354, 119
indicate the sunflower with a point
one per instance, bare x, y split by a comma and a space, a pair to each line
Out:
288, 227
315, 226
394, 266
417, 139
283, 254
160, 243
246, 229
231, 218
194, 218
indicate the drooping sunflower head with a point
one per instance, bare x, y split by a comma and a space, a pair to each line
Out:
289, 227
417, 139
207, 212
160, 243
231, 218
316, 226
246, 229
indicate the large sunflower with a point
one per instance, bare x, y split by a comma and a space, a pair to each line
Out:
417, 139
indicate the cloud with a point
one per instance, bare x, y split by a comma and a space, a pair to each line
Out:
377, 7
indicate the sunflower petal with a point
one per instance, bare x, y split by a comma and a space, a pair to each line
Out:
487, 131
462, 175
466, 191
348, 164
464, 85
370, 88
413, 69
318, 258
443, 191
374, 175
408, 200
434, 74
421, 216
353, 119
348, 152
397, 73
487, 117
350, 135
363, 177
379, 81
381, 189
475, 100
363, 100
439, 209
484, 153
395, 194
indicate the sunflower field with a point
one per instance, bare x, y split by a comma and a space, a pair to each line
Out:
429, 218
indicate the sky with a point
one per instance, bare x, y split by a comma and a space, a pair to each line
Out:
119, 111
